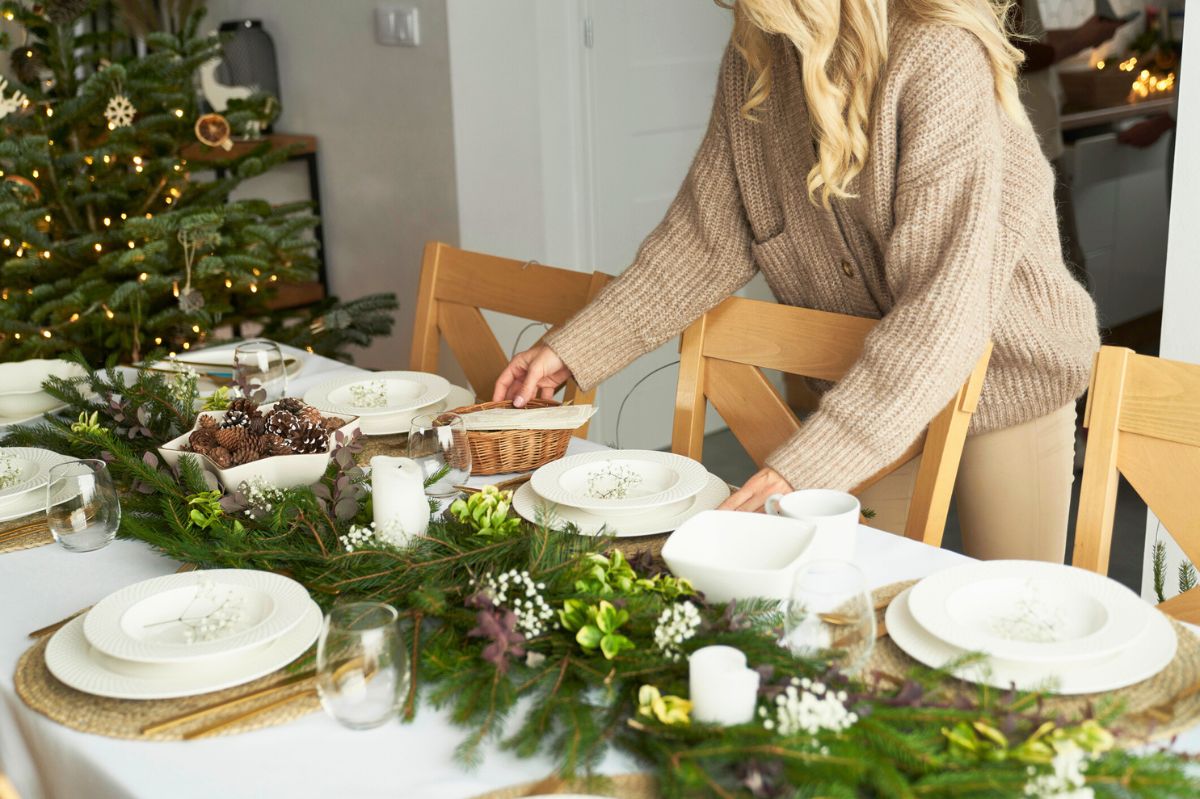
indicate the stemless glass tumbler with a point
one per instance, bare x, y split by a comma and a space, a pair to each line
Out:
82, 508
259, 363
438, 442
830, 611
362, 668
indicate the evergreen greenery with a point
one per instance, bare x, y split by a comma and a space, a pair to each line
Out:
599, 680
113, 242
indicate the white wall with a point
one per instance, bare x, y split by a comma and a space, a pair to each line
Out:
382, 116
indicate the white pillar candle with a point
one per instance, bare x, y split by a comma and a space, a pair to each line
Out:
398, 497
723, 691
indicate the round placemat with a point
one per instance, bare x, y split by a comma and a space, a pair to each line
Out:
17, 534
1160, 707
624, 786
395, 445
124, 718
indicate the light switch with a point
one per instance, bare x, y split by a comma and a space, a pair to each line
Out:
397, 26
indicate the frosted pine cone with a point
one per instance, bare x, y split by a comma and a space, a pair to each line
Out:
246, 406
332, 423
203, 439
235, 418
232, 437
293, 405
274, 445
282, 423
312, 416
309, 437
208, 422
221, 457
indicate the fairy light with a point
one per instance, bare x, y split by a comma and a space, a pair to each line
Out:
74, 318
17, 336
273, 278
158, 339
35, 173
108, 311
107, 221
195, 328
253, 288
49, 142
20, 251
175, 192
46, 217
107, 159
8, 15
97, 247
137, 169
187, 346
255, 271
46, 334
1100, 64
8, 242
309, 348
149, 216
4, 295
49, 111
87, 159
45, 253
131, 244
228, 283
1128, 65
171, 354
168, 200
179, 113
143, 277
137, 159
177, 168
175, 287
123, 216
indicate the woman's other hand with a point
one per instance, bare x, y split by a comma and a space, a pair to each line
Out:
753, 495
536, 372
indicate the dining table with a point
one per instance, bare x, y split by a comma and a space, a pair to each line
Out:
311, 756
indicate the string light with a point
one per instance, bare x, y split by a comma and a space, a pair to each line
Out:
111, 126
97, 247
176, 193
108, 159
255, 271
175, 287
46, 217
143, 277
179, 113
45, 253
131, 245
4, 294
273, 278
8, 15
137, 159
137, 169
35, 173
253, 288
46, 334
158, 339
74, 318
187, 346
123, 216
177, 168
168, 200
195, 328
17, 336
107, 311
8, 242
107, 221
149, 216
49, 111
49, 142
87, 159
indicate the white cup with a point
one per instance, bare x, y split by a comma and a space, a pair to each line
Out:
834, 513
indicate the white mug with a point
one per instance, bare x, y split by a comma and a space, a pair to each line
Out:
834, 513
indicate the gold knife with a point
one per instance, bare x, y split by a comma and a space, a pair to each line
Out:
183, 718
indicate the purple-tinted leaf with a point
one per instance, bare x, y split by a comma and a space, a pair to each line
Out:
143, 416
150, 459
321, 491
345, 509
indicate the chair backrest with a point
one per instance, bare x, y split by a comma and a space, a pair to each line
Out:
456, 285
721, 357
1143, 420
7, 791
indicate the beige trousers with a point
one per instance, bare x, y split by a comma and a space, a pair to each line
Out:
1013, 490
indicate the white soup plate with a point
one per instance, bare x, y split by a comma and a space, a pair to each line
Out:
21, 392
32, 466
615, 482
74, 662
402, 391
1028, 611
400, 421
1145, 655
142, 622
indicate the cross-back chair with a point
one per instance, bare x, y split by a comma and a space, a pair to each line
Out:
456, 285
721, 357
1143, 420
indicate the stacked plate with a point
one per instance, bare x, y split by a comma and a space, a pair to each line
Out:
25, 472
625, 493
1042, 626
387, 402
185, 634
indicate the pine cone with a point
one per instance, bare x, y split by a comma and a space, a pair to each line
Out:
60, 12
293, 405
208, 422
246, 452
309, 437
312, 415
203, 439
26, 64
332, 423
245, 405
282, 423
235, 418
257, 426
221, 457
274, 445
231, 437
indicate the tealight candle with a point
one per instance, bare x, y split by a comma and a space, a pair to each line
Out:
398, 499
723, 690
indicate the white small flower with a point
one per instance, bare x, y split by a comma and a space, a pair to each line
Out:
810, 708
676, 624
532, 612
1066, 780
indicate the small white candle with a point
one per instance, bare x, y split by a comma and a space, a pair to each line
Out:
723, 690
398, 498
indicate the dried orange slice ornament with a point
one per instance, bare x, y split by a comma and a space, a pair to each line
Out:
213, 130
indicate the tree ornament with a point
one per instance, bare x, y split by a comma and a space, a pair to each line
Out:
119, 112
190, 300
61, 12
9, 105
213, 130
27, 64
30, 188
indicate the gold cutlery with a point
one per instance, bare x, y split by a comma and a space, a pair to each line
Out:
23, 530
216, 727
224, 704
504, 485
1165, 712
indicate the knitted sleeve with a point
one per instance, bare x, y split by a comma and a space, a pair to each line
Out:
946, 283
697, 256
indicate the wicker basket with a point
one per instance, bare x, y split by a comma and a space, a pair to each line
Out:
501, 451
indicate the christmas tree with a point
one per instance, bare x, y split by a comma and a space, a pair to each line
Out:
111, 242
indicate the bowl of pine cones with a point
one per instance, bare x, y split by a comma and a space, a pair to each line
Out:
285, 444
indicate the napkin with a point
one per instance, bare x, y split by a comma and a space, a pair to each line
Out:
563, 417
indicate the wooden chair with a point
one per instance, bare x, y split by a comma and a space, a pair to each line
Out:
723, 352
1143, 420
7, 791
456, 285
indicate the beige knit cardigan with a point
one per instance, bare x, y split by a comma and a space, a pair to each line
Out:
951, 239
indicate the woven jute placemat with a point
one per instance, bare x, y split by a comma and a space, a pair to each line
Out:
18, 534
395, 445
622, 786
1172, 690
124, 718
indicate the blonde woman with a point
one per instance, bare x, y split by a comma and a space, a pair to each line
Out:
872, 158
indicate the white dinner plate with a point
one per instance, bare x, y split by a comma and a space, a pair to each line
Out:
74, 662
218, 364
32, 467
1145, 655
618, 482
148, 621
6, 421
1028, 611
395, 391
33, 502
534, 508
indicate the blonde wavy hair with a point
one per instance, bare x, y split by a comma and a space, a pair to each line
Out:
844, 45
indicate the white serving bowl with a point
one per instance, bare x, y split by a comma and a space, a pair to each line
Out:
21, 392
280, 471
735, 555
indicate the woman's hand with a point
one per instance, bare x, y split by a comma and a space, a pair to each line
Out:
753, 495
536, 372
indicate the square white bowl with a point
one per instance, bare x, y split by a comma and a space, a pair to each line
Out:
281, 471
735, 555
21, 392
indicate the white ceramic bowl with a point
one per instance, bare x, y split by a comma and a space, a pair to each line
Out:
21, 392
734, 555
281, 471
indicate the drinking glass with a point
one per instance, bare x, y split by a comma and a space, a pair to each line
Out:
362, 668
82, 508
438, 441
259, 363
831, 611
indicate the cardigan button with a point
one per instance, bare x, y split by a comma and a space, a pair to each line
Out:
847, 269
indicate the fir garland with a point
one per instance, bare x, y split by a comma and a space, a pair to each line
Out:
593, 646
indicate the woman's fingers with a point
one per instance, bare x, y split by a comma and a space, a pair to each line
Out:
512, 373
753, 495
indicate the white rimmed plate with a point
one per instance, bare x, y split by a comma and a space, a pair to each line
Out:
142, 622
1145, 655
21, 392
398, 391
32, 502
1028, 611
32, 466
74, 662
534, 508
218, 364
399, 422
618, 482
6, 421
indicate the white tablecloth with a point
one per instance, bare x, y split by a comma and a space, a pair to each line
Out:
311, 757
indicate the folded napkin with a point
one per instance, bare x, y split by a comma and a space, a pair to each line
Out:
563, 417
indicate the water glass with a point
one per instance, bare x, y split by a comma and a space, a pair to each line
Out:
438, 442
82, 508
831, 612
362, 668
259, 364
